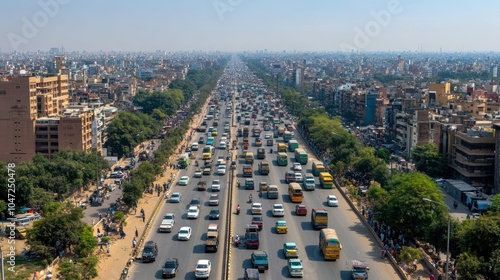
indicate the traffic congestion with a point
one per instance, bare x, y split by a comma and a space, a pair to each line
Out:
252, 201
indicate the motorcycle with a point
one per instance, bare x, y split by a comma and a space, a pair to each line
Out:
237, 241
237, 210
250, 198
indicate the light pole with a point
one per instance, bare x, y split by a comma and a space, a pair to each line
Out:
448, 235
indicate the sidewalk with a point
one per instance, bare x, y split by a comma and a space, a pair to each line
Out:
111, 265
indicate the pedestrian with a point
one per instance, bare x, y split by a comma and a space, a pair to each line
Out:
143, 218
136, 232
431, 277
35, 275
440, 277
134, 243
363, 210
98, 233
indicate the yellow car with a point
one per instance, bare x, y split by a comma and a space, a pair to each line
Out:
281, 227
214, 133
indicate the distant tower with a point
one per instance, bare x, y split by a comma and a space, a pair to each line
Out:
494, 71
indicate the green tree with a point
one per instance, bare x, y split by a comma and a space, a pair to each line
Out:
405, 208
495, 205
87, 243
409, 254
468, 267
381, 174
428, 160
383, 154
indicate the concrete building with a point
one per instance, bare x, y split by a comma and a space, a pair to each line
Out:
496, 184
22, 101
472, 154
70, 132
443, 94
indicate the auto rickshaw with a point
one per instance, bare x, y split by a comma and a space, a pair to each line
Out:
281, 227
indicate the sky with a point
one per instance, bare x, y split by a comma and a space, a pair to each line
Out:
250, 25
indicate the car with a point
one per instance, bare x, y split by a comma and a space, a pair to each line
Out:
215, 185
295, 268
297, 166
221, 161
167, 224
359, 270
128, 167
117, 168
257, 220
278, 210
260, 260
268, 136
193, 212
203, 269
281, 226
175, 197
118, 174
332, 201
150, 251
251, 274
255, 123
170, 268
183, 181
214, 214
201, 140
298, 177
221, 170
198, 173
195, 202
213, 200
256, 208
184, 233
290, 250
301, 210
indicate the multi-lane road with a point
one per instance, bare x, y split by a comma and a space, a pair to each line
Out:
357, 242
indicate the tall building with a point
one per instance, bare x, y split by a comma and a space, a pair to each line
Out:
443, 94
22, 101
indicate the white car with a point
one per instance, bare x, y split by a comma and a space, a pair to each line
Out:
203, 268
221, 161
193, 212
215, 185
256, 208
223, 138
332, 201
268, 136
221, 170
222, 145
298, 177
183, 181
175, 197
297, 166
184, 233
278, 210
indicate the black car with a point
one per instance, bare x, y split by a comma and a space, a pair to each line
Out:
201, 141
150, 251
170, 268
214, 214
195, 202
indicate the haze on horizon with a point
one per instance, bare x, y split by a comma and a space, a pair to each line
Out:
239, 25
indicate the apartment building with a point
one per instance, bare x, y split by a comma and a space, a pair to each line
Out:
472, 154
496, 184
71, 132
23, 100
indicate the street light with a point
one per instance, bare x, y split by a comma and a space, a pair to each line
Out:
448, 238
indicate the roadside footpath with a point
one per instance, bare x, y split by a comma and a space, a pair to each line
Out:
121, 252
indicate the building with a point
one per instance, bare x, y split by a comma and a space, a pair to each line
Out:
71, 132
23, 100
472, 155
443, 94
496, 185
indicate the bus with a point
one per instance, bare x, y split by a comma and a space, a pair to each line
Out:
301, 156
287, 136
292, 145
282, 159
317, 167
319, 218
326, 180
295, 192
183, 160
329, 244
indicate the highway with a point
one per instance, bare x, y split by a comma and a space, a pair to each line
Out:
189, 252
357, 242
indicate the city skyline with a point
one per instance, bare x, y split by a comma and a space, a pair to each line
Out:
240, 25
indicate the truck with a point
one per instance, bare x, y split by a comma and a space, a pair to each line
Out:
261, 153
272, 192
212, 242
260, 260
202, 186
264, 167
247, 171
319, 218
326, 180
252, 240
167, 223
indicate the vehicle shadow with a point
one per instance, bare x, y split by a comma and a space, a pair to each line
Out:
199, 249
285, 273
280, 254
306, 225
313, 253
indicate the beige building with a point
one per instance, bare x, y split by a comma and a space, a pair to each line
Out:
443, 94
22, 101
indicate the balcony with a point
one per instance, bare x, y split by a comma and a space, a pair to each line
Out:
475, 173
469, 162
477, 152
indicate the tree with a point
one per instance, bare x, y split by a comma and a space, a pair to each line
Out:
495, 205
428, 160
383, 154
87, 243
381, 174
468, 267
405, 208
409, 254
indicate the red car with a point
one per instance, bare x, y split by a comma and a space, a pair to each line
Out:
257, 220
301, 210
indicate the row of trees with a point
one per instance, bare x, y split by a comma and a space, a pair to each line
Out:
158, 106
398, 200
41, 181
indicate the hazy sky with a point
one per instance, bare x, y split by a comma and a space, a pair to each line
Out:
237, 25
